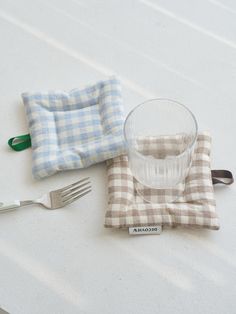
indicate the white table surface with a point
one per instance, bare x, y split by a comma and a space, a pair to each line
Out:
65, 261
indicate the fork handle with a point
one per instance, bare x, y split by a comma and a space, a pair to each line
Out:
9, 206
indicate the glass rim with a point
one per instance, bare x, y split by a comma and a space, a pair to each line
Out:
190, 146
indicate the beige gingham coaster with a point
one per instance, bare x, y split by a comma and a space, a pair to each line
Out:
196, 206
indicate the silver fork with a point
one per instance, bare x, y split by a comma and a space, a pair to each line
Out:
55, 199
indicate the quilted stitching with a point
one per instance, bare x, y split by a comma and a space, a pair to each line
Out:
75, 129
196, 207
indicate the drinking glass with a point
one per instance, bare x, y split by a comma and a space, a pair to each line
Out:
160, 135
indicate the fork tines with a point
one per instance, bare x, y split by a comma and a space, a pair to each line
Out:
76, 190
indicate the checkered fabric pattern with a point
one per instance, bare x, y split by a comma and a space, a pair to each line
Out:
195, 207
75, 129
167, 146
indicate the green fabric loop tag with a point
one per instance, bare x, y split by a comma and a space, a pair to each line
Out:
20, 142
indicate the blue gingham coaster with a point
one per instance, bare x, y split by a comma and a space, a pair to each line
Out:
76, 129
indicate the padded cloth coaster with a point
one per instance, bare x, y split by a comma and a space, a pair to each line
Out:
75, 129
196, 206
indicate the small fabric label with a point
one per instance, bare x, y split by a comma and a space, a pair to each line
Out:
145, 230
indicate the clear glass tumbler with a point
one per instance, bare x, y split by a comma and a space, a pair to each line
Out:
160, 135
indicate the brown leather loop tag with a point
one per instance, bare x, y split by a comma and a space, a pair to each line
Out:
222, 177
